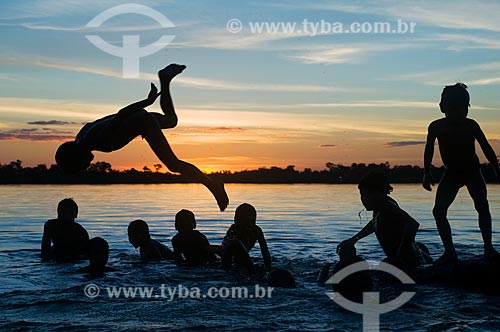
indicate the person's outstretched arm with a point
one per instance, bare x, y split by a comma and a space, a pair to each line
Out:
428, 154
364, 232
152, 96
488, 151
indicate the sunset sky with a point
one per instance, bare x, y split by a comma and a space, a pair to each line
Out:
249, 100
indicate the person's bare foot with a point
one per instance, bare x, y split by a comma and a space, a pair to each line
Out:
220, 195
170, 71
446, 258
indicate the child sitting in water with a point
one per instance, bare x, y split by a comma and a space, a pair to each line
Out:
394, 228
138, 236
98, 254
190, 246
241, 238
456, 135
70, 239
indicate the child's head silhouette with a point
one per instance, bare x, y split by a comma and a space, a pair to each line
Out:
245, 215
138, 233
185, 221
455, 101
98, 252
72, 158
67, 209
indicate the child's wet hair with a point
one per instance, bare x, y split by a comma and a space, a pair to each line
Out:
98, 244
455, 96
68, 203
375, 181
184, 216
138, 225
98, 251
72, 158
243, 210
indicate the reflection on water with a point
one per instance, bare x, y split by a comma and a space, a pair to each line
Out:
302, 223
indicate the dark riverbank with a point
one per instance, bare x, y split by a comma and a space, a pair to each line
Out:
103, 173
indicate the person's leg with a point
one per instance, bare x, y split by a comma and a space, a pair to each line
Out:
478, 192
445, 195
151, 131
168, 119
241, 257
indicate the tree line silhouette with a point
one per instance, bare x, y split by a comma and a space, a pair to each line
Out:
101, 172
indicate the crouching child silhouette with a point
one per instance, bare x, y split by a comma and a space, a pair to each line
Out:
394, 228
456, 135
114, 131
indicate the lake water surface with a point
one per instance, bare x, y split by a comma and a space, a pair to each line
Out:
302, 224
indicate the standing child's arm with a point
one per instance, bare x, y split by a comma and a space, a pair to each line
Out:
264, 249
428, 154
488, 151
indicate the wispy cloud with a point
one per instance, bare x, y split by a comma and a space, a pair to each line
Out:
347, 53
472, 74
83, 28
56, 8
461, 14
190, 81
8, 77
404, 143
35, 134
327, 146
53, 123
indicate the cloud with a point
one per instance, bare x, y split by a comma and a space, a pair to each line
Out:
348, 53
53, 123
482, 15
404, 143
35, 134
190, 81
475, 74
327, 146
35, 26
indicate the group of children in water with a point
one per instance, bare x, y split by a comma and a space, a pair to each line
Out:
394, 228
65, 239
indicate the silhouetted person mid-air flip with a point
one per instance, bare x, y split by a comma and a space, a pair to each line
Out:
114, 131
456, 135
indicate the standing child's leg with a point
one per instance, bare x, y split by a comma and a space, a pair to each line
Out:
445, 195
477, 190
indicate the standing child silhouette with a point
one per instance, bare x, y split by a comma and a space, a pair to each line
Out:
456, 135
114, 131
